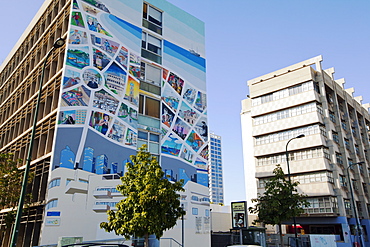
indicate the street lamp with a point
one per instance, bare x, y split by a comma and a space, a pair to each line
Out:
354, 203
58, 43
290, 181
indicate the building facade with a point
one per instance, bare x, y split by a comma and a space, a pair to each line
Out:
131, 73
305, 99
216, 186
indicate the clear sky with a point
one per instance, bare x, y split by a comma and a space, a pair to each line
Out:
246, 39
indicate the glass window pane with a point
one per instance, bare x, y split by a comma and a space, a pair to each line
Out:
153, 74
154, 137
154, 41
155, 16
152, 107
143, 135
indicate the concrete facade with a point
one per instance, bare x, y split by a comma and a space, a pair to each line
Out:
305, 99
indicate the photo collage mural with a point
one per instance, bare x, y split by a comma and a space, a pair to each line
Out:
184, 124
98, 118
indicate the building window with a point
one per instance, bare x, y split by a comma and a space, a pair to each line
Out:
149, 106
288, 134
68, 180
346, 143
110, 204
194, 198
152, 18
343, 181
52, 204
151, 48
347, 206
322, 205
150, 73
359, 208
357, 150
339, 158
207, 212
55, 182
364, 187
194, 211
332, 116
306, 86
295, 111
151, 140
335, 137
354, 184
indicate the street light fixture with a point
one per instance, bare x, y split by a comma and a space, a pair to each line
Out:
290, 181
58, 43
358, 232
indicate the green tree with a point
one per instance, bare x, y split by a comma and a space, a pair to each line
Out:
279, 202
10, 185
151, 203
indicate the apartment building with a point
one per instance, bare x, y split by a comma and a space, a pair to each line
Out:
131, 73
216, 186
304, 99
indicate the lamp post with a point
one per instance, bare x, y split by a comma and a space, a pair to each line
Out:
290, 181
58, 43
358, 232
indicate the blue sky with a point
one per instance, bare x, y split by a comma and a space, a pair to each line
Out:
246, 39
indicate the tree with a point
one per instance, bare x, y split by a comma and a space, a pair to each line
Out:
10, 185
151, 203
279, 202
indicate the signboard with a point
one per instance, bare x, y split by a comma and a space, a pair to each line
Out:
322, 240
52, 221
239, 214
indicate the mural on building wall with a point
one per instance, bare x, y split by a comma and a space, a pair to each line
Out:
100, 94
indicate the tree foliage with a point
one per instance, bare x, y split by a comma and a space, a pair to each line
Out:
10, 184
151, 203
280, 201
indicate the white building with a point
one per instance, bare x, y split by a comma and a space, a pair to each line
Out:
305, 99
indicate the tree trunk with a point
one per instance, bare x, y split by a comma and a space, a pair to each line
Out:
281, 236
146, 243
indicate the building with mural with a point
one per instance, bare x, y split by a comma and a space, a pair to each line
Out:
304, 99
216, 186
132, 72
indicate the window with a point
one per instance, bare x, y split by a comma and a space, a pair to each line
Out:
342, 181
207, 212
151, 48
322, 205
149, 106
68, 180
283, 93
339, 158
364, 187
151, 140
55, 182
335, 137
51, 204
354, 184
347, 206
346, 143
357, 150
194, 211
152, 18
150, 73
332, 116
194, 198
